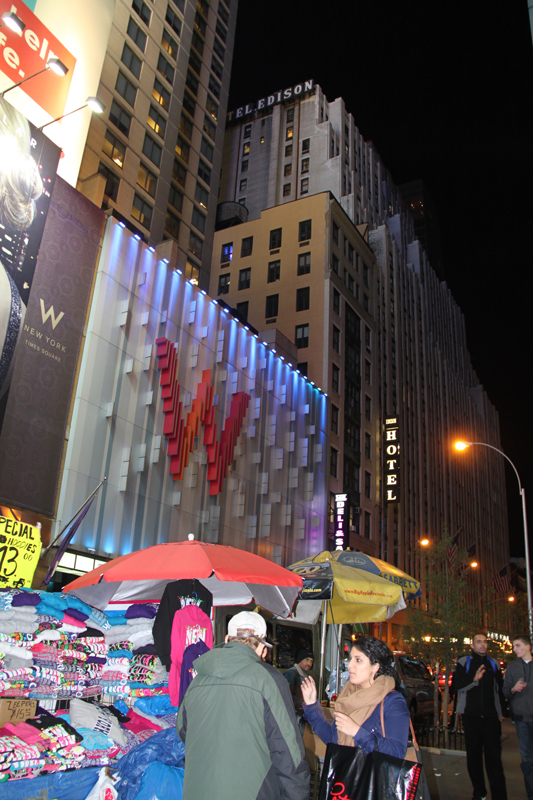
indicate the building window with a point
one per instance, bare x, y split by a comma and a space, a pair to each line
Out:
186, 126
287, 170
246, 148
275, 239
244, 278
368, 408
334, 419
302, 367
289, 132
175, 198
335, 233
351, 284
302, 298
131, 61
114, 149
204, 172
365, 276
335, 264
165, 68
242, 201
301, 338
304, 230
226, 253
196, 245
197, 43
169, 44
271, 306
244, 165
305, 145
201, 194
247, 245
207, 150
247, 131
304, 263
367, 372
157, 122
120, 118
136, 34
126, 89
142, 10
368, 446
336, 302
219, 49
350, 253
290, 114
223, 283
217, 68
336, 341
172, 225
112, 181
366, 302
335, 378
273, 271
147, 180
179, 173
286, 189
189, 104
288, 150
367, 338
242, 310
214, 87
305, 165
173, 20
333, 462
141, 211
367, 524
368, 485
160, 94
152, 150
198, 220
304, 186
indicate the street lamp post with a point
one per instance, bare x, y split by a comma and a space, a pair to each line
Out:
463, 446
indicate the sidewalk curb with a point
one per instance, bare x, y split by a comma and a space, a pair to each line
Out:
438, 752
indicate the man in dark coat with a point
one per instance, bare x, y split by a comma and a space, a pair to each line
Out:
478, 681
518, 689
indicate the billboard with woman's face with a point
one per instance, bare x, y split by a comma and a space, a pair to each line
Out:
49, 237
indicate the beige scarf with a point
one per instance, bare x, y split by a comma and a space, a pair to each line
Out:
359, 704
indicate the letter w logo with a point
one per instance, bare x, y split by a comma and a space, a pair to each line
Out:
50, 313
181, 433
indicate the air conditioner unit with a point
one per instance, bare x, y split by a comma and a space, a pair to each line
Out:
357, 510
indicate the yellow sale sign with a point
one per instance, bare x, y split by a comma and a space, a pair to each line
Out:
20, 548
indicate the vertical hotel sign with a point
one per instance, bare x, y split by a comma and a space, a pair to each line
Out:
392, 460
341, 520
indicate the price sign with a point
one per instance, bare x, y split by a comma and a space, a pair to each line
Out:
20, 548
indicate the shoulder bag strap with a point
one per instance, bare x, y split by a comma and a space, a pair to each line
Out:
415, 743
381, 718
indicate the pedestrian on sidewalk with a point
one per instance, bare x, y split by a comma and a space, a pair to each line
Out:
479, 683
518, 688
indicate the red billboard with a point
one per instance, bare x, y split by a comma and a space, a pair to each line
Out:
25, 54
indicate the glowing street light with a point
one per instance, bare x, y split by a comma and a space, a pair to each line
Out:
460, 445
424, 542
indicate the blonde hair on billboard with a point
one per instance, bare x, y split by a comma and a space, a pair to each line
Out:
20, 181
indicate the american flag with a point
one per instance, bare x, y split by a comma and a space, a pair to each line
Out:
501, 581
451, 555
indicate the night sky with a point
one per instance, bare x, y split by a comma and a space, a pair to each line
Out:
444, 91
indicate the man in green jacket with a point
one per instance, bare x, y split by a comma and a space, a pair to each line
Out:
238, 723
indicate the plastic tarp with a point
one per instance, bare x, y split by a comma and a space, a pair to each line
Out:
165, 747
73, 785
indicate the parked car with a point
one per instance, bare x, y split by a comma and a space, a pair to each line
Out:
418, 683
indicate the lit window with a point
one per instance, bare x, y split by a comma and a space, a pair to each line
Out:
147, 180
114, 149
141, 211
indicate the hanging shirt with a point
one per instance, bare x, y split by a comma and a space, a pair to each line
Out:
177, 594
191, 625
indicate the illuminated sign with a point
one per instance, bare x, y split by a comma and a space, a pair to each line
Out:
182, 433
24, 55
20, 548
341, 520
292, 93
392, 460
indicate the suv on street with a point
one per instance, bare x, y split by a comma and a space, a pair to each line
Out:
418, 683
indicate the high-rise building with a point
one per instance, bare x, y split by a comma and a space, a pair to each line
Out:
325, 250
153, 158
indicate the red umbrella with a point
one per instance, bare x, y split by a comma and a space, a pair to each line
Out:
233, 576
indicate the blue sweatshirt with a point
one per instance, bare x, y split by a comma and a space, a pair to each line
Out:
369, 736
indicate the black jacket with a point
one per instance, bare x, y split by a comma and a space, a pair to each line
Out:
485, 697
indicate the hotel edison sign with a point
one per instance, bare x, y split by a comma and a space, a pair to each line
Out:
292, 93
392, 460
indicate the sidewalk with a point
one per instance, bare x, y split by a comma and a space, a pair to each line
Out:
447, 775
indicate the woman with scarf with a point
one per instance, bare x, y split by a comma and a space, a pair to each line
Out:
357, 715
